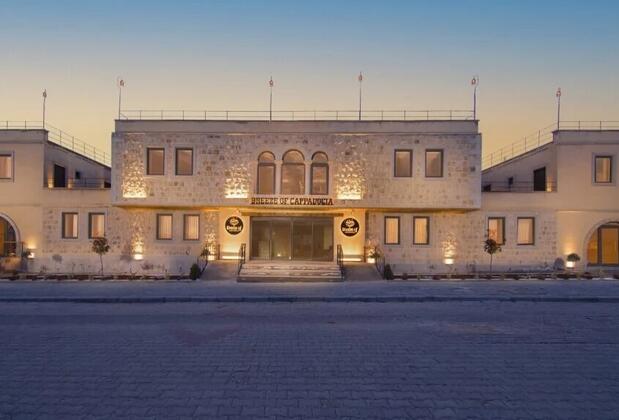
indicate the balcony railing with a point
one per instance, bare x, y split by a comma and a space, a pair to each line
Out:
518, 187
300, 115
589, 125
61, 138
82, 183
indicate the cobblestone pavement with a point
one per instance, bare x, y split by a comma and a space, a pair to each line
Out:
310, 361
230, 289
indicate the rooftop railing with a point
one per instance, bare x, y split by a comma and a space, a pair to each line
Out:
301, 115
523, 187
540, 138
61, 138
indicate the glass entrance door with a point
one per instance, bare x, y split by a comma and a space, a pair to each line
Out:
292, 238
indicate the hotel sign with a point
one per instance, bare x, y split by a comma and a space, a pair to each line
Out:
234, 225
292, 201
350, 226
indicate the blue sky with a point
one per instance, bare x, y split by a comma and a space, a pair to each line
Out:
208, 55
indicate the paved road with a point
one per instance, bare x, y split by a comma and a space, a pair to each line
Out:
232, 289
320, 360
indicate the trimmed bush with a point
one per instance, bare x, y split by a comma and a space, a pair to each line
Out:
388, 274
195, 272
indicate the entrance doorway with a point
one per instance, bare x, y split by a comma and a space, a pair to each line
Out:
292, 238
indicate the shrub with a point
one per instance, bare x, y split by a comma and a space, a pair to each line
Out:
573, 257
100, 247
405, 276
388, 274
491, 247
195, 272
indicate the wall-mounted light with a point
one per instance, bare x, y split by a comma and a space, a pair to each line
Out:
570, 264
138, 256
448, 261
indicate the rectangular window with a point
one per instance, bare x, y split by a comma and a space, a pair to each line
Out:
155, 161
603, 169
434, 163
184, 161
191, 227
6, 166
403, 163
266, 178
96, 225
496, 229
320, 179
392, 230
69, 225
526, 231
60, 176
421, 230
164, 226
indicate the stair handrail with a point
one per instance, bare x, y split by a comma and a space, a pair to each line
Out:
241, 258
340, 259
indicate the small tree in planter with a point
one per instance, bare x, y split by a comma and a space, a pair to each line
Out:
572, 259
100, 247
204, 257
491, 247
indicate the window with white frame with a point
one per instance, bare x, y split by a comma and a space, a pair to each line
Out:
191, 227
164, 226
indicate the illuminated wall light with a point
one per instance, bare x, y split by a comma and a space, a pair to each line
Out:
349, 196
570, 264
352, 259
236, 195
371, 260
138, 256
449, 261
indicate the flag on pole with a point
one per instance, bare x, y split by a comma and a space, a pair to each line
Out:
44, 93
474, 80
121, 83
360, 77
271, 83
558, 94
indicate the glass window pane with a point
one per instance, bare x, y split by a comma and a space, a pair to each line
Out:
184, 161
592, 248
525, 231
97, 225
8, 239
421, 231
323, 240
496, 229
403, 167
609, 240
293, 156
280, 239
392, 230
155, 162
191, 229
320, 157
603, 165
266, 157
293, 179
319, 179
434, 163
69, 225
164, 226
6, 166
261, 239
266, 179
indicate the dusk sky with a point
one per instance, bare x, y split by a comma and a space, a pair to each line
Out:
219, 55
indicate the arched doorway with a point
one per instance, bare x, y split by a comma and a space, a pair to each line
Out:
8, 238
603, 245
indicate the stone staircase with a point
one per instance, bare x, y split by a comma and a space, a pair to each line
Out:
289, 271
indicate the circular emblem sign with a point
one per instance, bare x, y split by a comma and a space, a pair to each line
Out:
350, 227
234, 225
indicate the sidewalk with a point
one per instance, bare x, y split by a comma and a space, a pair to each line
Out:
371, 291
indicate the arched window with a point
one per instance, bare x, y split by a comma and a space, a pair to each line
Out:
320, 173
266, 173
293, 173
8, 239
603, 246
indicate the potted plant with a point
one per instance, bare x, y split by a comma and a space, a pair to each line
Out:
491, 247
572, 259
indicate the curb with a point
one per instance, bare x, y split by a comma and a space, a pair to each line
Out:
314, 299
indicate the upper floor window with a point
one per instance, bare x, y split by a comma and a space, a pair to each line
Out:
293, 173
266, 173
526, 231
392, 230
603, 169
184, 161
96, 225
496, 229
164, 226
421, 230
434, 163
403, 163
191, 227
69, 225
320, 173
6, 166
539, 179
60, 176
155, 161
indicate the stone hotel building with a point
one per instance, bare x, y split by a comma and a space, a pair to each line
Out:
307, 194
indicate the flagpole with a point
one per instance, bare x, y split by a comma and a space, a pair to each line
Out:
360, 78
271, 99
44, 100
120, 83
475, 82
558, 95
